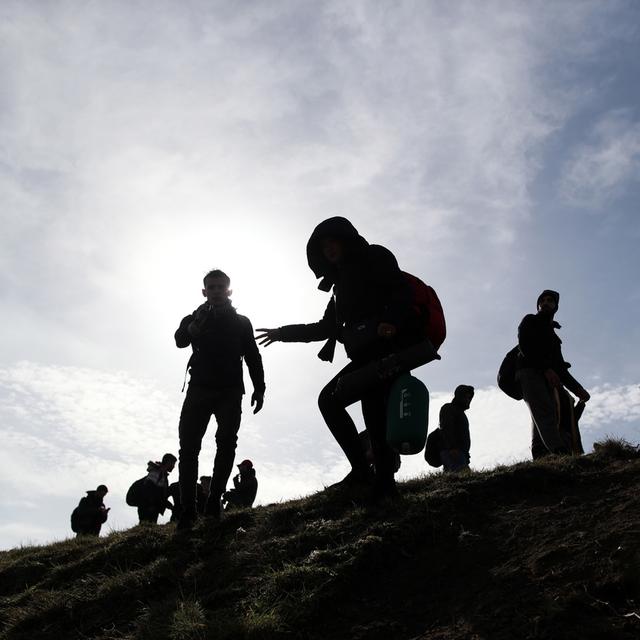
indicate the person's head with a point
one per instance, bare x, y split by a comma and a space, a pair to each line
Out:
245, 466
102, 490
548, 302
205, 483
332, 249
463, 395
168, 462
216, 287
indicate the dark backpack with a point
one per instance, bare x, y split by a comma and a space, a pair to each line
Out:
507, 374
432, 448
76, 520
137, 493
427, 303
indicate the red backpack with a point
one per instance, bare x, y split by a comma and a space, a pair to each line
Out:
426, 301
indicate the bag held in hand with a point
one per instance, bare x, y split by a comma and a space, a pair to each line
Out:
407, 415
352, 386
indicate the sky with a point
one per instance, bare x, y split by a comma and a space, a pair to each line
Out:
494, 147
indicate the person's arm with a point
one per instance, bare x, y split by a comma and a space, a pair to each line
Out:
253, 359
182, 335
572, 384
312, 332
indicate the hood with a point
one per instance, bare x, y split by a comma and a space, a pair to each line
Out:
341, 229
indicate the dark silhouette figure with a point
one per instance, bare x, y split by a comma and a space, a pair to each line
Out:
220, 339
543, 376
455, 439
154, 490
245, 487
90, 514
370, 312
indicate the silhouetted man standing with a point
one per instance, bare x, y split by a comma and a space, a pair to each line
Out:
221, 339
454, 425
543, 374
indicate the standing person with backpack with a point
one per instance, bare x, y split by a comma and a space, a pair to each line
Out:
155, 494
371, 313
543, 376
455, 443
221, 339
90, 514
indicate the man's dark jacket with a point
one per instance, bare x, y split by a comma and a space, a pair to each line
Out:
454, 425
225, 339
368, 288
92, 513
541, 348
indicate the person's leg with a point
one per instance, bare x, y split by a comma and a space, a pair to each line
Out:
228, 412
148, 514
194, 418
542, 407
341, 425
374, 412
454, 460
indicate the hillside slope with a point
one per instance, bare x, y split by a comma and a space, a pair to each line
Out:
537, 550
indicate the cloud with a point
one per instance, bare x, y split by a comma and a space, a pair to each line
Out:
604, 168
85, 427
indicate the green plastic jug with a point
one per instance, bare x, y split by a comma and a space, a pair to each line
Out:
407, 415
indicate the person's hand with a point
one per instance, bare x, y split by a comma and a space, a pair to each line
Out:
583, 395
386, 330
553, 379
193, 329
257, 398
268, 336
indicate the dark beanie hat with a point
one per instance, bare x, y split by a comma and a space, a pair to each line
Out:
463, 389
548, 292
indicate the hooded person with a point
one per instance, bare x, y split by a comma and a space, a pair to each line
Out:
544, 375
371, 314
454, 427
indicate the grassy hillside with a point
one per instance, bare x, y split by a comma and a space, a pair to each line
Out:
537, 550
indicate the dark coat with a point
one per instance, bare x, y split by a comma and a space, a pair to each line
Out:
541, 348
368, 288
454, 425
156, 489
92, 514
226, 338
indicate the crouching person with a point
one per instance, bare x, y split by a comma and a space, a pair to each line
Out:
245, 487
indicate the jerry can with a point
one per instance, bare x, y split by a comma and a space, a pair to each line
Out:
407, 415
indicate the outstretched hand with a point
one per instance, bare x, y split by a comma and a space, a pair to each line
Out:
268, 336
257, 399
